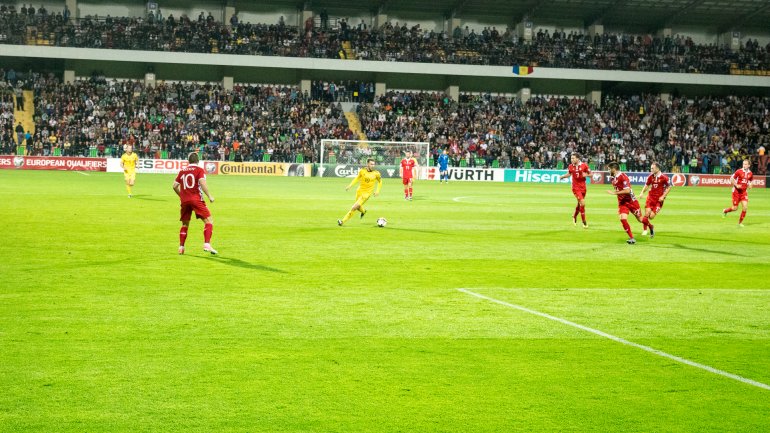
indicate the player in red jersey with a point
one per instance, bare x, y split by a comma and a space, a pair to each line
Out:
408, 171
627, 202
190, 185
579, 171
659, 185
741, 181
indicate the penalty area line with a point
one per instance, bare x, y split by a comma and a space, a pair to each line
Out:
621, 340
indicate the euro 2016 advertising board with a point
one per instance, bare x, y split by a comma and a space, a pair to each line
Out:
160, 166
53, 163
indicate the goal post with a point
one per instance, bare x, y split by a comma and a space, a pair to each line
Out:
387, 155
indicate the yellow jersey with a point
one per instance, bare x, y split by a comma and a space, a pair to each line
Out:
129, 161
367, 179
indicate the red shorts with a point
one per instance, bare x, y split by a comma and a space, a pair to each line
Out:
406, 180
629, 208
579, 194
653, 204
199, 207
739, 196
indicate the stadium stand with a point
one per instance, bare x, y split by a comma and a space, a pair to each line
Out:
97, 116
558, 49
285, 122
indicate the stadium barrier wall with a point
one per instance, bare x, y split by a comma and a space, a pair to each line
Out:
53, 163
226, 168
681, 179
425, 173
172, 166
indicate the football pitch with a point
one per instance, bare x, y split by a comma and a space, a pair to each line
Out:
479, 308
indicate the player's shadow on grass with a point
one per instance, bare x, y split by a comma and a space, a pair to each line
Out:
238, 263
147, 197
720, 240
704, 250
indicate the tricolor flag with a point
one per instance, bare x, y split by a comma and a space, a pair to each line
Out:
523, 70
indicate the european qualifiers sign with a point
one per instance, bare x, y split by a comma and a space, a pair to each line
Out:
53, 163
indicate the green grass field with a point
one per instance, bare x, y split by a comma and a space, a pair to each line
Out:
302, 326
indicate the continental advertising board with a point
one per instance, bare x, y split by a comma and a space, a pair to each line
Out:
227, 168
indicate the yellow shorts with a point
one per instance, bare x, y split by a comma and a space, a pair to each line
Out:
362, 197
129, 176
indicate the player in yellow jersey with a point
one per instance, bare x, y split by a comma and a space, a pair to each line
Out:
128, 164
367, 176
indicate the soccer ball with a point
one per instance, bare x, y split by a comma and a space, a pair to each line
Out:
382, 222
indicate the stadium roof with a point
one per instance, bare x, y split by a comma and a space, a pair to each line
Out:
715, 15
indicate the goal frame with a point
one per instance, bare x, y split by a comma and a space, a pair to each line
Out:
326, 141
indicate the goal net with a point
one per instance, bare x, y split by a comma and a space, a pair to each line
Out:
343, 158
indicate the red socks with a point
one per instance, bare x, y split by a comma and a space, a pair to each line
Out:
728, 210
627, 228
743, 215
583, 213
207, 233
182, 236
577, 211
647, 223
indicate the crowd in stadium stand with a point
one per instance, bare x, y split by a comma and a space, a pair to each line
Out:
703, 134
392, 42
172, 119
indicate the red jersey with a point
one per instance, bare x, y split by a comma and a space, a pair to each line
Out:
742, 179
579, 173
407, 165
658, 185
621, 182
189, 181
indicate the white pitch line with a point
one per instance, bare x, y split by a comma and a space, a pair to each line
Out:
459, 199
84, 174
639, 289
621, 340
